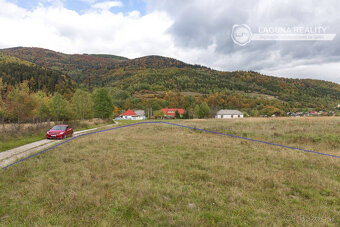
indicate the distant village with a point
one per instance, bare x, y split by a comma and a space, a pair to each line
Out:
172, 113
176, 113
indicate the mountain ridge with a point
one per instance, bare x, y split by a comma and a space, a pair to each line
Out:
157, 73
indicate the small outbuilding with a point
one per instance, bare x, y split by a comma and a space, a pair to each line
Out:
224, 114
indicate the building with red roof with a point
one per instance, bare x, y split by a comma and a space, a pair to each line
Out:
168, 112
132, 115
129, 113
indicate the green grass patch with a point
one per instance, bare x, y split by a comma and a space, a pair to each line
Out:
20, 141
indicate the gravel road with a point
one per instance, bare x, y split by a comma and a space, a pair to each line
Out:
10, 156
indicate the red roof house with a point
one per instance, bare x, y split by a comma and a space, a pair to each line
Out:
172, 112
132, 115
128, 113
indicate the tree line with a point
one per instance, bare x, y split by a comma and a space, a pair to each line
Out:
20, 104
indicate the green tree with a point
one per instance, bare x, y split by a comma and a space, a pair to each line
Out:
82, 104
59, 107
204, 110
42, 111
155, 106
119, 97
197, 110
270, 110
254, 113
102, 103
186, 114
164, 104
3, 109
158, 113
20, 102
177, 115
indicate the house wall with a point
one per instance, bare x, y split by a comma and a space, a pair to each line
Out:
131, 118
227, 116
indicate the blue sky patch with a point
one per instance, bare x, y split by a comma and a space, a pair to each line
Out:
82, 6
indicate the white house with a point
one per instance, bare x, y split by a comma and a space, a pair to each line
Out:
223, 114
132, 115
140, 114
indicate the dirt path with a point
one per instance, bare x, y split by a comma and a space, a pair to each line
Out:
10, 156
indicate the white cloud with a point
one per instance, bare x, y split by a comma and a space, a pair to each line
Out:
107, 5
57, 28
10, 10
206, 25
196, 32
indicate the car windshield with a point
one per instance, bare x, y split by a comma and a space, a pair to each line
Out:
59, 127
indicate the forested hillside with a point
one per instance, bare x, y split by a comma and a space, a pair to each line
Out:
14, 71
182, 77
78, 66
156, 81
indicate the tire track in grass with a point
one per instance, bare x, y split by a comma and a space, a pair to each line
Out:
173, 124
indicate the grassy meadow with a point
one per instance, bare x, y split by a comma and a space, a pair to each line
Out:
160, 175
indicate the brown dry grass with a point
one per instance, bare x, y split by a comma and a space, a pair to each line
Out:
164, 175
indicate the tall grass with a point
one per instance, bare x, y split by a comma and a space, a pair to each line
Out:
164, 175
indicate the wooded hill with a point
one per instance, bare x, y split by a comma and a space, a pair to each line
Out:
14, 70
78, 66
156, 74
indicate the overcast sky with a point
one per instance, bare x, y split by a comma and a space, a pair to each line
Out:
194, 31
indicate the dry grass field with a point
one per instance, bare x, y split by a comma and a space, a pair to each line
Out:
164, 175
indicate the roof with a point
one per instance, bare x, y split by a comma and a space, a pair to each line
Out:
229, 112
128, 113
140, 112
172, 112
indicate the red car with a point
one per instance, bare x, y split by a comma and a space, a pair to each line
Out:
59, 132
